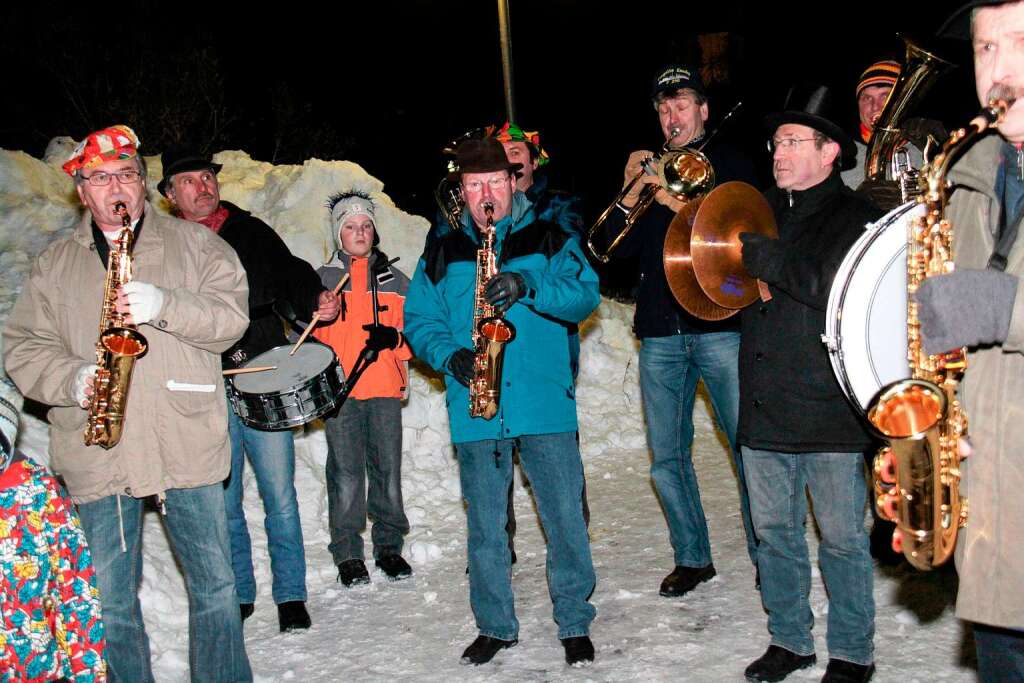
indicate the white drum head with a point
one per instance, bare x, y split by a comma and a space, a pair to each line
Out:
866, 320
292, 371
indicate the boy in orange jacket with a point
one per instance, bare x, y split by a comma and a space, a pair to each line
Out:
365, 435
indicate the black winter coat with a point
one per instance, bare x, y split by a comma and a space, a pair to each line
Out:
790, 400
658, 314
279, 283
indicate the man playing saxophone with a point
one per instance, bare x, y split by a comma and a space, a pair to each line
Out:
979, 305
189, 292
543, 281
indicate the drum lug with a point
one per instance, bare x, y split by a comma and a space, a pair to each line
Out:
830, 343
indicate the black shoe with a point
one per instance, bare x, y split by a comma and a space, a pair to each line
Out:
579, 651
394, 566
839, 671
682, 580
246, 609
777, 663
353, 573
292, 616
483, 649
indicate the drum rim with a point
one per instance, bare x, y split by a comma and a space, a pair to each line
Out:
836, 304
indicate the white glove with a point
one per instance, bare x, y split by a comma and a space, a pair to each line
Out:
144, 301
83, 381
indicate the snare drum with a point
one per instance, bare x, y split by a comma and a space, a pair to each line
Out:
302, 388
866, 319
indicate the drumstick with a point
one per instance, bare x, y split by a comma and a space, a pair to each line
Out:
316, 317
244, 371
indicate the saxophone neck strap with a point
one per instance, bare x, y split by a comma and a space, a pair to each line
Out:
103, 246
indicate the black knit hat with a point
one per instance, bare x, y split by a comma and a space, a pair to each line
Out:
812, 105
182, 159
485, 155
958, 26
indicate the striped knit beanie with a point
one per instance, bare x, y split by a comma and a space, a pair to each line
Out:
880, 73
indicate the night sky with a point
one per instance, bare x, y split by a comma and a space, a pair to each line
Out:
387, 84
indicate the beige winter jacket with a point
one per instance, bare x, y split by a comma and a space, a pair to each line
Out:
171, 439
990, 558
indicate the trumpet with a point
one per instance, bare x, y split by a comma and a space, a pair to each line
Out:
684, 172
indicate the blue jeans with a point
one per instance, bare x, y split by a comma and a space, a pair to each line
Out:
1000, 653
669, 370
272, 458
553, 466
365, 436
197, 529
836, 482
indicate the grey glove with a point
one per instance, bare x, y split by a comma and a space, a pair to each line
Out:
965, 308
885, 194
460, 364
918, 130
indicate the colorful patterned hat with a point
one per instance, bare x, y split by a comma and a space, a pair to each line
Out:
108, 144
510, 132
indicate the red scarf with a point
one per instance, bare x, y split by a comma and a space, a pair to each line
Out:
215, 220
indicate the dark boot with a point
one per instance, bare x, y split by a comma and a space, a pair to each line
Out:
353, 573
579, 651
839, 671
483, 649
394, 566
292, 616
682, 580
777, 663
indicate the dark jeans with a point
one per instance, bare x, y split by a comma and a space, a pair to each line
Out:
552, 463
1000, 653
365, 437
198, 531
510, 525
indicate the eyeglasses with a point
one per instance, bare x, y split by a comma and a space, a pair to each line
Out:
125, 177
785, 144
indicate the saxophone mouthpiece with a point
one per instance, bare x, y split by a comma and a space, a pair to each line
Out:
488, 208
1000, 98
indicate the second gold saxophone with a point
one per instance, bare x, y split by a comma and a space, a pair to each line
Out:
917, 475
120, 343
490, 331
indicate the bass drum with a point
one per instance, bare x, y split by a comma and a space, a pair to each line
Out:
866, 319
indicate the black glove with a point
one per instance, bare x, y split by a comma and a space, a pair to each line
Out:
460, 364
762, 255
965, 308
381, 337
918, 130
505, 289
885, 194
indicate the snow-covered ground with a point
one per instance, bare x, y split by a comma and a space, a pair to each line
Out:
416, 629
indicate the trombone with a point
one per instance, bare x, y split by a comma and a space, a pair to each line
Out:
685, 173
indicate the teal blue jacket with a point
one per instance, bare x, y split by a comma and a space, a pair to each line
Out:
538, 395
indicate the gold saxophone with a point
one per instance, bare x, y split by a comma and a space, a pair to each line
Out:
917, 475
120, 343
490, 331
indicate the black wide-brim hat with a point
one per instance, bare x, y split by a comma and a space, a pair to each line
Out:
485, 155
958, 26
812, 105
182, 159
